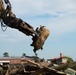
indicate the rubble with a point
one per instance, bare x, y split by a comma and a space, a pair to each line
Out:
30, 67
32, 70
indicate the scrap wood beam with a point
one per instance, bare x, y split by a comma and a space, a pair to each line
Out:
31, 62
45, 70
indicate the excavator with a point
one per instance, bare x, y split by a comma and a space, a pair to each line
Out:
9, 19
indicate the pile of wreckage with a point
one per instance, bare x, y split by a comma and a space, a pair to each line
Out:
28, 67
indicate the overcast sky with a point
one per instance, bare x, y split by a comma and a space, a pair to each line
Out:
59, 16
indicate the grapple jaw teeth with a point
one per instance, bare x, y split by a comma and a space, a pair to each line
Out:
38, 41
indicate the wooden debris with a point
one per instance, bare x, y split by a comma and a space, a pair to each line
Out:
34, 69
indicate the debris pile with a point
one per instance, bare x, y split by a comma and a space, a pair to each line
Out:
29, 67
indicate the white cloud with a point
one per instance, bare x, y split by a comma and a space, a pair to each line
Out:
36, 7
64, 9
13, 36
64, 24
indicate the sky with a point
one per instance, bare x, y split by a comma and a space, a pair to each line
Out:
59, 16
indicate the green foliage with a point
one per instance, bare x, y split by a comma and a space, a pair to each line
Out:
69, 58
6, 54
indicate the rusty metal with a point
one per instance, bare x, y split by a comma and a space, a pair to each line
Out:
9, 19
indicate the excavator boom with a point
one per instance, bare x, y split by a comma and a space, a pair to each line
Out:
9, 19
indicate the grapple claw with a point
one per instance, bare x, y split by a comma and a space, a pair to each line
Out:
38, 41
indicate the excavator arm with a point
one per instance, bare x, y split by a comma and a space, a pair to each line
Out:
39, 35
